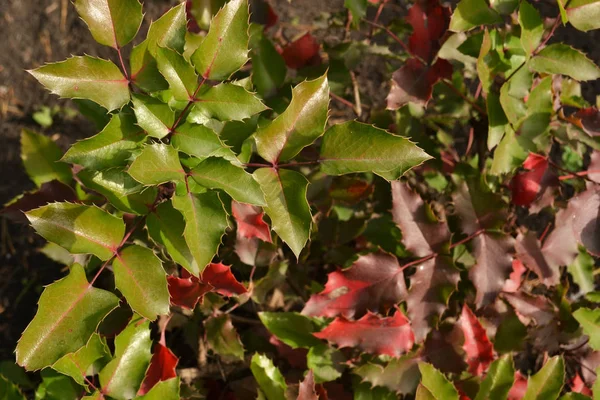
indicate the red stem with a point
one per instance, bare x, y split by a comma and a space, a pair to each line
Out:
122, 63
188, 105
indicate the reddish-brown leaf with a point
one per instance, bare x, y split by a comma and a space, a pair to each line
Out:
560, 247
271, 18
519, 387
578, 385
49, 192
383, 336
162, 367
527, 186
302, 52
186, 291
373, 281
440, 350
192, 24
250, 223
588, 119
429, 21
513, 282
414, 81
420, 235
585, 219
221, 279
479, 349
529, 252
531, 308
295, 357
307, 388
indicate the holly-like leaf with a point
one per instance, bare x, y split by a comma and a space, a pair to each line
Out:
49, 192
157, 163
383, 336
250, 222
559, 58
180, 74
285, 195
165, 226
529, 251
78, 228
9, 390
69, 311
139, 275
498, 380
471, 13
168, 31
560, 247
582, 14
531, 308
413, 82
582, 271
153, 116
420, 234
144, 69
532, 27
112, 22
111, 147
162, 367
291, 328
269, 378
374, 281
302, 52
401, 375
224, 50
222, 337
77, 364
164, 390
187, 291
218, 173
328, 363
205, 223
306, 390
436, 383
479, 349
590, 322
225, 102
355, 147
86, 77
121, 378
222, 281
547, 383
40, 156
268, 66
529, 185
200, 141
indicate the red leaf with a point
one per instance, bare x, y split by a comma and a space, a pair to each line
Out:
186, 292
578, 385
219, 276
192, 24
383, 336
295, 357
302, 52
162, 367
414, 81
529, 252
307, 388
479, 349
272, 18
373, 281
49, 192
250, 221
513, 282
588, 119
519, 387
526, 186
429, 21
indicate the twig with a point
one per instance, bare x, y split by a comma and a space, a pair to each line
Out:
343, 101
187, 106
358, 106
389, 32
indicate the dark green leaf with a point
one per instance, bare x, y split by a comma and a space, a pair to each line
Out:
40, 157
472, 13
400, 375
180, 74
326, 362
291, 328
268, 66
152, 115
225, 102
157, 163
144, 69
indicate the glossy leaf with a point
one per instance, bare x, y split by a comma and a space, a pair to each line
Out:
225, 102
498, 380
77, 364
250, 222
590, 323
285, 195
400, 375
180, 74
112, 22
471, 13
153, 116
355, 147
139, 275
157, 163
165, 390
547, 383
583, 14
436, 383
268, 377
268, 67
299, 125
78, 228
224, 50
200, 141
222, 337
291, 328
69, 312
479, 349
144, 69
221, 280
168, 31
218, 173
559, 58
327, 362
86, 77
162, 367
40, 156
186, 292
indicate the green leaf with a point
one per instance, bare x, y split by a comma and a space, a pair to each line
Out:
41, 157
139, 275
575, 396
434, 381
163, 390
472, 13
55, 386
112, 22
205, 224
582, 271
218, 173
168, 31
152, 115
496, 119
285, 194
86, 77
120, 189
291, 328
224, 50
547, 383
122, 377
532, 27
180, 74
9, 391
78, 364
510, 153
355, 147
400, 375
268, 377
268, 66
423, 394
166, 226
498, 381
144, 70
225, 102
222, 337
200, 141
559, 58
78, 228
358, 9
157, 163
584, 14
590, 323
69, 311
275, 276
299, 125
327, 363
110, 148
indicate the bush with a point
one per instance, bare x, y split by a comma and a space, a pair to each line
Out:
202, 264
